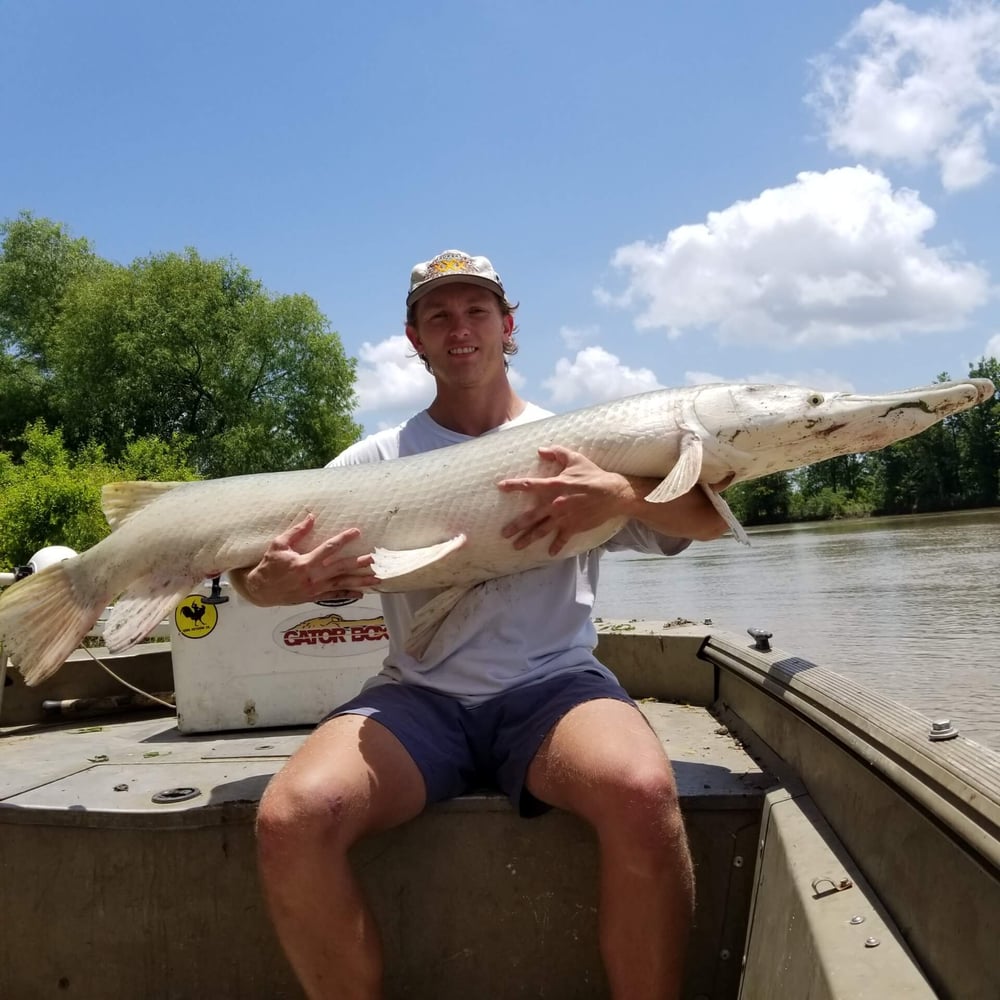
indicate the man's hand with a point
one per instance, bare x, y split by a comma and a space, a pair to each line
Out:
291, 573
578, 497
582, 495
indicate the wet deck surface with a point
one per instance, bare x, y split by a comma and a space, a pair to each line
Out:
113, 769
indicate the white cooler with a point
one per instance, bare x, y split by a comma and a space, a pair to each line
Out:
237, 666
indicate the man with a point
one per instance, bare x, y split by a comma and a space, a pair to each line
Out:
531, 709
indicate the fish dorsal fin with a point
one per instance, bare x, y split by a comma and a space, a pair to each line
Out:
390, 564
120, 501
684, 474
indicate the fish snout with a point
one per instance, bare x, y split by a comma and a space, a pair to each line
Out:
974, 391
984, 387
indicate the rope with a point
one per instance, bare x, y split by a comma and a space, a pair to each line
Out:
131, 687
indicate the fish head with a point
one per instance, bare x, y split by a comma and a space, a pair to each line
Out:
760, 429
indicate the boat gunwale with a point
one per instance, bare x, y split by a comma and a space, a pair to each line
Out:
957, 781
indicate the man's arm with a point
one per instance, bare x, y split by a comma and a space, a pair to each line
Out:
583, 495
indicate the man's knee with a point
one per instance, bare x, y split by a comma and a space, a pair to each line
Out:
641, 809
301, 811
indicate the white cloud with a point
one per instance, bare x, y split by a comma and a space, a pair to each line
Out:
596, 376
390, 377
834, 257
516, 379
992, 349
915, 87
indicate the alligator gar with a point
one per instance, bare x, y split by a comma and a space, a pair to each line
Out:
434, 520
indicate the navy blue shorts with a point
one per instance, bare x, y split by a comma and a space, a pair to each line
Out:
491, 745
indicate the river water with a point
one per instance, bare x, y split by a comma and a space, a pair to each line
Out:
908, 605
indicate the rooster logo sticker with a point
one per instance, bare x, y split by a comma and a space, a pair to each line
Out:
195, 619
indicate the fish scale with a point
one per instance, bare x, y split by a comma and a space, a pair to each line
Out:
434, 521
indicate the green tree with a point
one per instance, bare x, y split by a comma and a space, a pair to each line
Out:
765, 500
921, 474
53, 496
952, 465
172, 345
978, 434
176, 344
39, 260
891, 483
827, 503
847, 474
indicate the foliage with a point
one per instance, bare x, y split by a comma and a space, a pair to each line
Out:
978, 432
954, 464
53, 496
827, 503
761, 501
171, 345
39, 261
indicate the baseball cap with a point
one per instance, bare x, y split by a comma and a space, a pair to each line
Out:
448, 268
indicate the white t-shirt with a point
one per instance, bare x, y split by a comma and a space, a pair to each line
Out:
515, 630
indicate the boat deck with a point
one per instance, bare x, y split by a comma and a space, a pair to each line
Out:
161, 881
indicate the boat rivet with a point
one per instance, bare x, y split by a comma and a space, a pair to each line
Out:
176, 795
857, 919
738, 861
942, 729
872, 942
724, 954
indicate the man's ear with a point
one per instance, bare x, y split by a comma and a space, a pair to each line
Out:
411, 336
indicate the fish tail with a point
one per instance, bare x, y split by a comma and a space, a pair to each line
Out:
43, 619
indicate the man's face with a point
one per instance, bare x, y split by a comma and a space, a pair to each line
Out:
461, 331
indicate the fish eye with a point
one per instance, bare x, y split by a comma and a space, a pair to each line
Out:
815, 399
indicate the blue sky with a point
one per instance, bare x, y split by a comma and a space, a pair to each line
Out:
675, 192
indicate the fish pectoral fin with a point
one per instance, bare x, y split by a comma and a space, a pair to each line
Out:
428, 619
684, 474
726, 513
141, 608
389, 564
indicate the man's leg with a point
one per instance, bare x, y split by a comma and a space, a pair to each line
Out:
602, 762
350, 778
